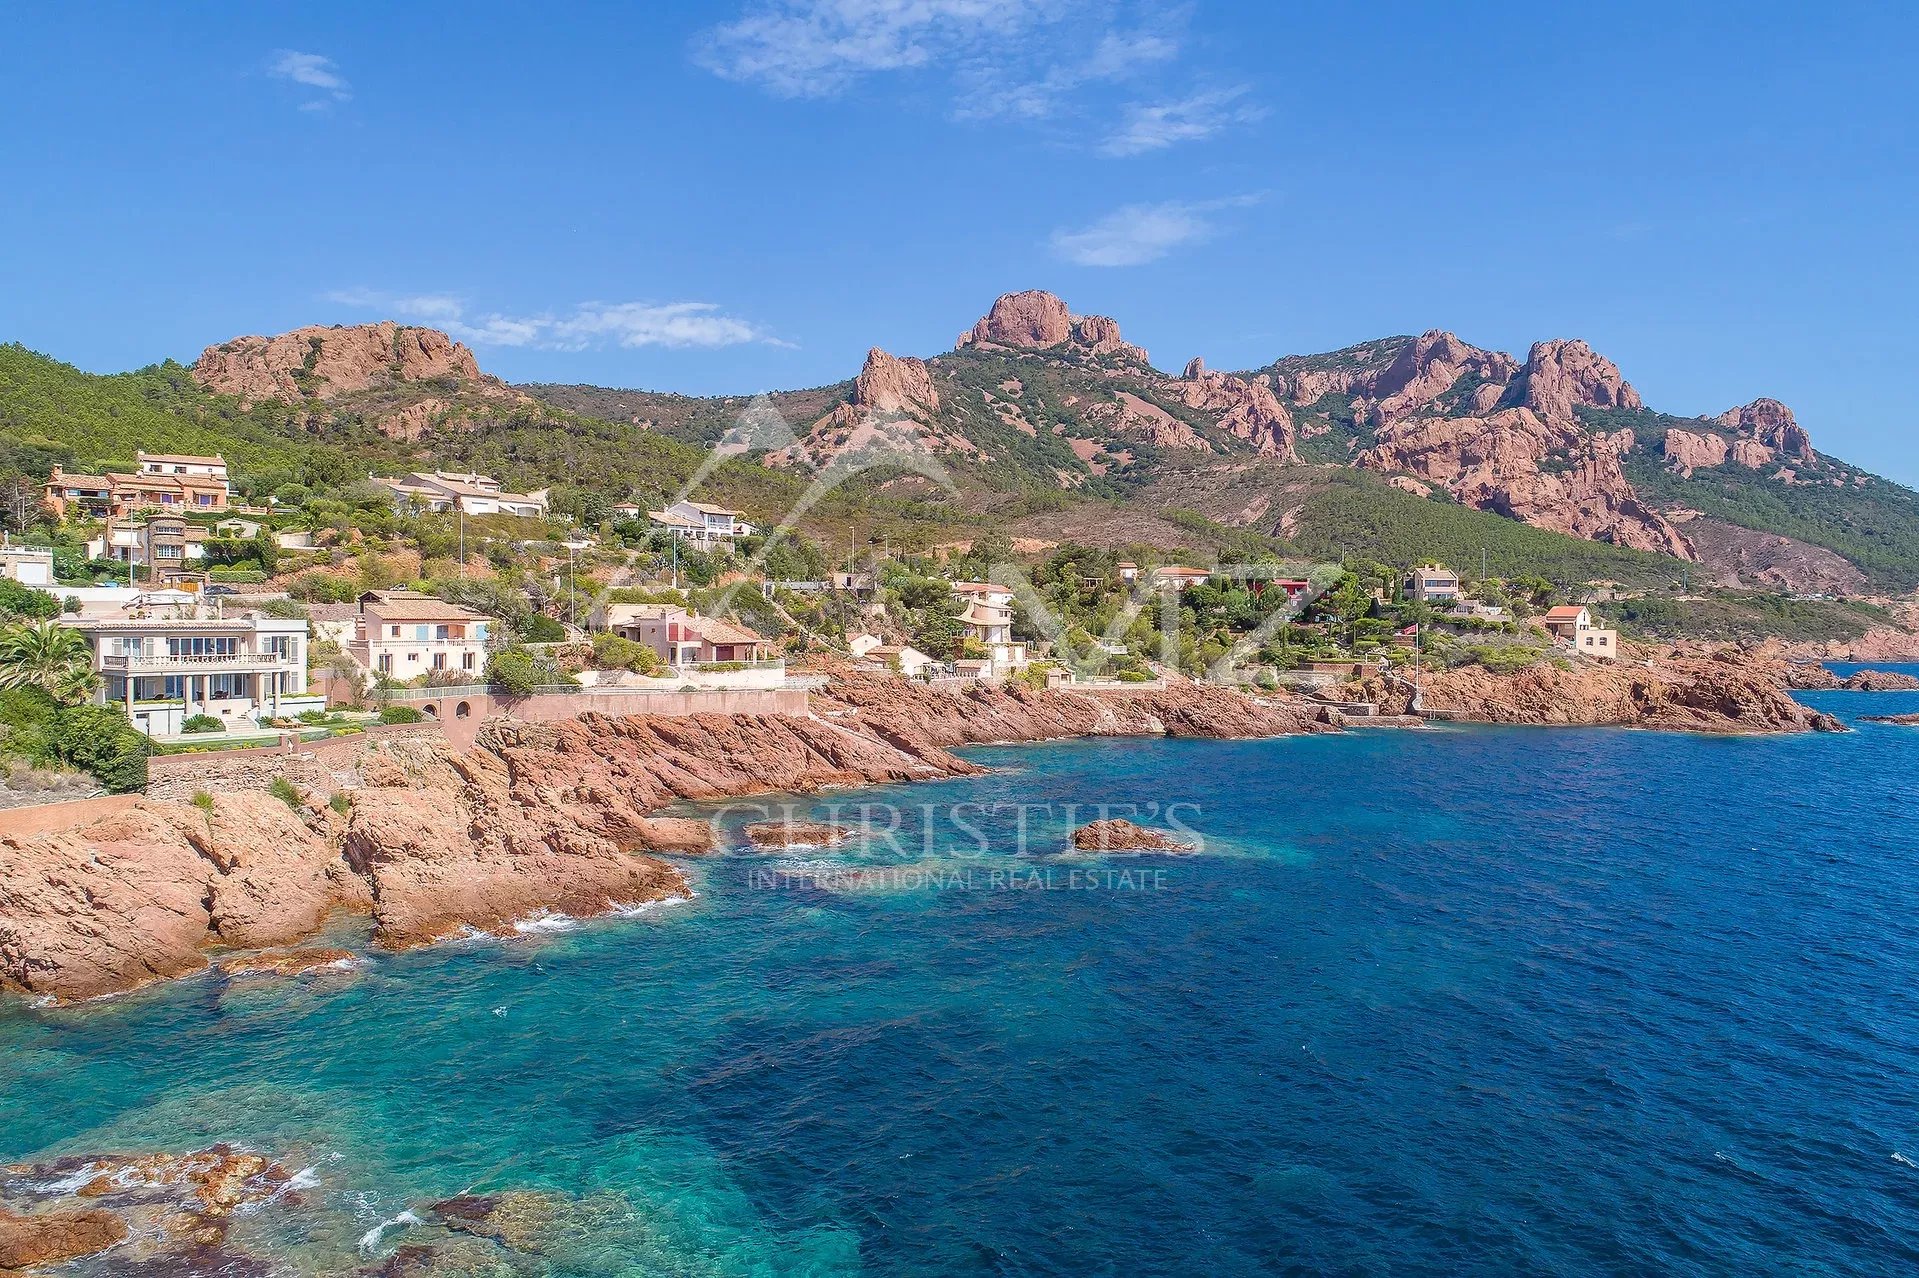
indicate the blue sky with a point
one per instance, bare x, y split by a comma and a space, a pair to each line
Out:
747, 195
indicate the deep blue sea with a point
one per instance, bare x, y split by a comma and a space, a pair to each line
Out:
1462, 1000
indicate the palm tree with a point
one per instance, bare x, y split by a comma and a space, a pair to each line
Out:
48, 656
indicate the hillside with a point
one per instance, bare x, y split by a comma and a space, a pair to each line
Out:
1053, 425
1035, 400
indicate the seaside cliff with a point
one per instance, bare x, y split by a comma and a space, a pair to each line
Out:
558, 817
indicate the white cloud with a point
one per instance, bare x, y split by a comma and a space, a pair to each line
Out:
1157, 125
314, 71
1142, 233
999, 90
584, 327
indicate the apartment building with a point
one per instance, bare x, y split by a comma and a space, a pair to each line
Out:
165, 669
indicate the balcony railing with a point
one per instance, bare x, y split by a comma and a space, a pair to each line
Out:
195, 662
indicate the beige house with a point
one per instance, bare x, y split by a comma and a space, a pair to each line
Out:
679, 638
1180, 577
1433, 584
905, 658
27, 565
404, 634
1572, 625
470, 493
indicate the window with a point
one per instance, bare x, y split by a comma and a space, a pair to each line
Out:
439, 661
439, 633
386, 663
466, 661
393, 632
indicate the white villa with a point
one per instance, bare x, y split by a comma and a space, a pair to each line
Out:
697, 521
987, 616
241, 670
472, 493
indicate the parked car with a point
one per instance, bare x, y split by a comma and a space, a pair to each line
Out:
219, 590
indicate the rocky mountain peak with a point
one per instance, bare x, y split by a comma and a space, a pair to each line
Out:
321, 361
1038, 320
1562, 374
890, 384
1771, 423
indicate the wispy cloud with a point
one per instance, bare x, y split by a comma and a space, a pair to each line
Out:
313, 71
1154, 126
816, 48
1000, 59
1142, 233
584, 327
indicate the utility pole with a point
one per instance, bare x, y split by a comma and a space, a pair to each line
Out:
460, 505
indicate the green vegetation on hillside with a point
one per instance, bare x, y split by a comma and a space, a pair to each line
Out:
1354, 514
1869, 520
1740, 614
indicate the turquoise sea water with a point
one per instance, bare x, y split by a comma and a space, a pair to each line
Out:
1463, 1000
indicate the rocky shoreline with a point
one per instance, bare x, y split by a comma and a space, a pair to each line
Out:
538, 819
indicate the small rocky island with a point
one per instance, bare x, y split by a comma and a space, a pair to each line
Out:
1115, 835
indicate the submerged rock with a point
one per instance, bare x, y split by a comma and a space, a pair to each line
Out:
1115, 835
1906, 720
30, 1240
787, 834
285, 962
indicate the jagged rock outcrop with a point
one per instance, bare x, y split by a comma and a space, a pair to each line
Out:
1770, 424
1247, 409
890, 384
1551, 474
1401, 377
1686, 451
321, 362
1563, 374
1037, 320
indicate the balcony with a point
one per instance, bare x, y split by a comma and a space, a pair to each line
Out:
196, 663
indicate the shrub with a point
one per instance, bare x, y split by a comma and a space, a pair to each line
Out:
100, 740
1134, 676
202, 800
516, 670
312, 716
613, 652
540, 628
282, 789
340, 803
201, 723
400, 714
26, 603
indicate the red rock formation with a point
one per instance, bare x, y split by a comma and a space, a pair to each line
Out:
1560, 375
1686, 451
1115, 835
324, 361
37, 1239
1420, 371
1727, 692
1037, 320
1247, 409
1770, 424
889, 384
1550, 474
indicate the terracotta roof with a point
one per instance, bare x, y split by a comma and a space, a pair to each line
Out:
1180, 570
1565, 612
705, 509
673, 520
719, 630
408, 605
